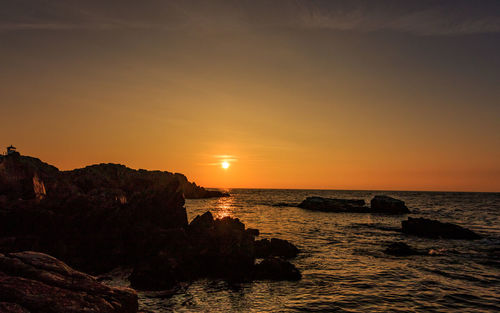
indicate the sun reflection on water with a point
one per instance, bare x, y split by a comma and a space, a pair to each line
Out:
223, 207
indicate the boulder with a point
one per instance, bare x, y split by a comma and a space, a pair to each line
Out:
424, 227
275, 268
388, 205
36, 282
334, 205
275, 247
401, 249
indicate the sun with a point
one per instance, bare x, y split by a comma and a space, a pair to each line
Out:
225, 165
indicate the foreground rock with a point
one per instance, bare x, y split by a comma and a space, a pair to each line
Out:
334, 205
388, 205
94, 218
424, 227
379, 204
36, 282
104, 216
218, 248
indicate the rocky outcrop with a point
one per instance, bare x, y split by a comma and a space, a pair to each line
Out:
36, 282
334, 205
103, 216
379, 204
219, 248
27, 178
275, 247
424, 227
388, 205
93, 218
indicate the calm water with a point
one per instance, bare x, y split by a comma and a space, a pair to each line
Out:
343, 266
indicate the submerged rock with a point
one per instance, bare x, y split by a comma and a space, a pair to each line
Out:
402, 249
36, 282
275, 268
275, 247
424, 227
334, 205
388, 205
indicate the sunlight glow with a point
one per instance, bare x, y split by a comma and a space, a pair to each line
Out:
225, 165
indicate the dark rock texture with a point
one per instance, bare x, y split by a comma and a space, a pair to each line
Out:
388, 205
93, 218
379, 204
219, 248
275, 247
402, 249
103, 216
36, 282
275, 268
424, 227
334, 205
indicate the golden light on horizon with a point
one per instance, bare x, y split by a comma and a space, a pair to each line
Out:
225, 165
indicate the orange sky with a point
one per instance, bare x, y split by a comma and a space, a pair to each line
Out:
290, 106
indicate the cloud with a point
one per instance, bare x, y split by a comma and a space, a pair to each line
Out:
416, 17
419, 17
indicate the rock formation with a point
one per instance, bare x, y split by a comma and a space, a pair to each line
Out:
379, 204
221, 248
334, 205
388, 205
424, 227
36, 282
107, 215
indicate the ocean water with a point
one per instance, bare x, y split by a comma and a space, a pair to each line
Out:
342, 261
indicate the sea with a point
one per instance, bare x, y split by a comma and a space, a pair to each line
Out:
342, 261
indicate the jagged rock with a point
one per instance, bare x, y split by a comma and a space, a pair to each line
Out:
202, 223
401, 249
275, 247
275, 268
388, 205
254, 232
334, 205
424, 227
36, 282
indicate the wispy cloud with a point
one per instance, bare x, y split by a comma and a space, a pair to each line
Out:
419, 17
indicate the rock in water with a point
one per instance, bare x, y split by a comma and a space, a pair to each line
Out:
388, 205
401, 249
275, 247
36, 282
334, 205
424, 227
275, 268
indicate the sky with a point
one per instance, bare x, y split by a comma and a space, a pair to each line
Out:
385, 95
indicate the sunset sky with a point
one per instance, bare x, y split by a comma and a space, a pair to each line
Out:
398, 95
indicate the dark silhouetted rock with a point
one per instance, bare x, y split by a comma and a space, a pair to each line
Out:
36, 282
254, 232
275, 268
388, 205
275, 247
107, 215
334, 205
424, 227
401, 249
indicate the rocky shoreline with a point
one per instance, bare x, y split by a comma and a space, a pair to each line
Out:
104, 216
